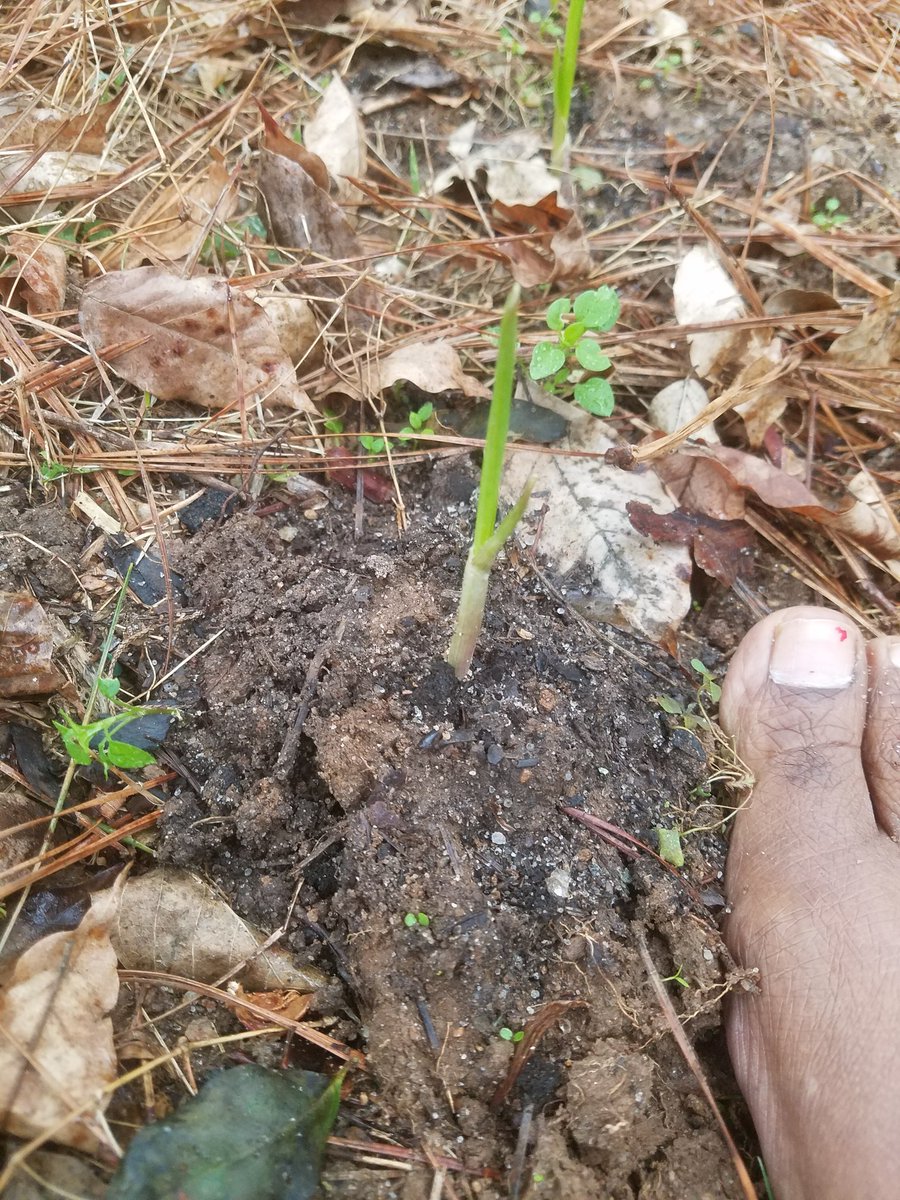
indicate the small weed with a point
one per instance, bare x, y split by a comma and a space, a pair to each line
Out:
227, 246
98, 740
546, 25
670, 850
829, 216
573, 322
417, 920
50, 470
417, 426
677, 978
509, 1036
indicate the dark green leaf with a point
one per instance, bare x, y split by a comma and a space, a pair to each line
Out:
595, 396
546, 359
590, 356
251, 1134
556, 312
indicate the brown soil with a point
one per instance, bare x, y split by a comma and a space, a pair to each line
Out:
334, 747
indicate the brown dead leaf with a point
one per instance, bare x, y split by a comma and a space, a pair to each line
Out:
709, 481
56, 1038
23, 124
302, 215
336, 135
16, 844
720, 548
171, 921
875, 342
170, 223
290, 1004
40, 275
207, 343
26, 644
435, 367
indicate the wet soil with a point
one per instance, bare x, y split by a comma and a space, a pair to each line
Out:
333, 750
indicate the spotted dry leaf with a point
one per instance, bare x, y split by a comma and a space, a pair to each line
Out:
206, 343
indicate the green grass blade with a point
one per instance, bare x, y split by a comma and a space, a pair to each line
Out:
498, 422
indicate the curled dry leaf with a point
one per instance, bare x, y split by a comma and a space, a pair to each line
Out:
720, 548
171, 921
296, 326
336, 135
435, 367
40, 274
206, 343
303, 216
705, 294
55, 1007
875, 342
638, 584
26, 644
171, 222
55, 168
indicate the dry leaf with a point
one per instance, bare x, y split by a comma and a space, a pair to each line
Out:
56, 1003
296, 325
41, 275
171, 921
720, 547
207, 343
434, 367
336, 135
875, 342
171, 223
290, 1004
704, 293
637, 583
24, 124
15, 847
675, 405
26, 644
55, 168
303, 216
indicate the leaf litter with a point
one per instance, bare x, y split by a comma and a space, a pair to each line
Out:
796, 381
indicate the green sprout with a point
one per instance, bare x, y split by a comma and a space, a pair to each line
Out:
509, 1036
86, 741
565, 60
551, 361
670, 850
708, 689
677, 978
416, 427
489, 537
694, 715
415, 920
829, 216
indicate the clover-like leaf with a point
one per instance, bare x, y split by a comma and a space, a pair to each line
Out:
546, 359
556, 312
595, 396
572, 333
590, 356
598, 309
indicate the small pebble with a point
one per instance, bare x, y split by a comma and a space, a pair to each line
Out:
499, 839
494, 754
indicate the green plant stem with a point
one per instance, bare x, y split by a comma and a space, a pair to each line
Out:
469, 615
564, 64
498, 422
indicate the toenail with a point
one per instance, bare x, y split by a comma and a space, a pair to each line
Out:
894, 653
813, 652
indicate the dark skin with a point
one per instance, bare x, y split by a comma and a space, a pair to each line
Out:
813, 882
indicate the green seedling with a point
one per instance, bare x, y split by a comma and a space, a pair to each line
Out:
670, 850
228, 245
509, 1036
709, 689
547, 24
85, 742
565, 60
829, 216
416, 427
694, 715
417, 920
677, 978
574, 322
50, 471
489, 537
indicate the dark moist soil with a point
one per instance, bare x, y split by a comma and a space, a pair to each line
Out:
332, 745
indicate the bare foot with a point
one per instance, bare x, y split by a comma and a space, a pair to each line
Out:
813, 881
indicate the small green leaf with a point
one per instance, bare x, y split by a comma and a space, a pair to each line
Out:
832, 204
250, 1132
122, 754
590, 356
423, 919
410, 921
670, 846
570, 335
518, 1035
598, 309
506, 1034
556, 312
108, 687
670, 705
595, 396
374, 445
76, 750
546, 359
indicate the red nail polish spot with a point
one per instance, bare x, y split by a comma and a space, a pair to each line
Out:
842, 633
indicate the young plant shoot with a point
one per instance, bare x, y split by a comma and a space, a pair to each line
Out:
489, 537
565, 60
